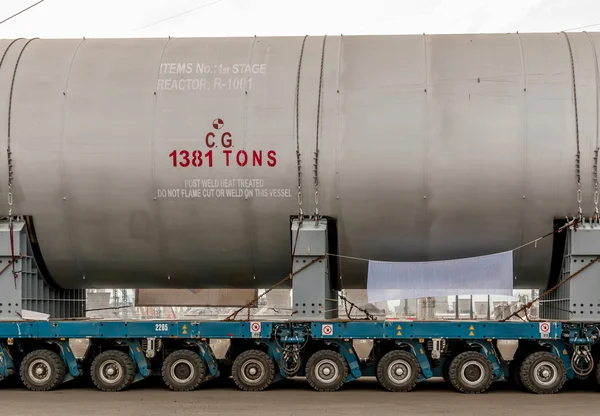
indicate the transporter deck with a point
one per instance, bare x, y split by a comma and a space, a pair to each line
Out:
538, 356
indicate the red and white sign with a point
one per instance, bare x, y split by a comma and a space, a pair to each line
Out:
544, 328
218, 149
218, 123
255, 327
327, 329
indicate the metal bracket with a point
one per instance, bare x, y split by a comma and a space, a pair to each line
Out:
314, 297
209, 358
137, 355
559, 348
275, 353
68, 357
419, 353
487, 349
348, 353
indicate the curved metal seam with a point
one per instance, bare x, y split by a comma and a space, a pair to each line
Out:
6, 50
425, 143
246, 95
12, 86
337, 131
153, 132
525, 176
61, 153
250, 230
597, 148
163, 246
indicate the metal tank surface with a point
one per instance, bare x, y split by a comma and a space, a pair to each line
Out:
172, 163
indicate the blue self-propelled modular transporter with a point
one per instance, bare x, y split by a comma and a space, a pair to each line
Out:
539, 357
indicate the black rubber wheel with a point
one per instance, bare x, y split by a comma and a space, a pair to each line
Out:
112, 370
471, 372
543, 373
446, 370
398, 371
183, 370
253, 370
514, 373
42, 370
598, 375
326, 370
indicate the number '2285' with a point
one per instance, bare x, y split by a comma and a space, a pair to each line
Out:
161, 327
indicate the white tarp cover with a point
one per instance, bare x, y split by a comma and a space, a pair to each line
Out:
483, 275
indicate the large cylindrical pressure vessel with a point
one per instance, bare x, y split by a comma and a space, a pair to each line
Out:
177, 163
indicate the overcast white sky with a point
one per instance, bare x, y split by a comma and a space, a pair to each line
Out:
125, 18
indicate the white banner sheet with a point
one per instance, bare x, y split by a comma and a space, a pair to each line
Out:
483, 275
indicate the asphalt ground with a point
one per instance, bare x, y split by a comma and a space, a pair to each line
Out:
295, 397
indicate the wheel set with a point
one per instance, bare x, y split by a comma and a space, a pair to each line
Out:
398, 371
253, 370
470, 372
183, 370
42, 370
112, 370
542, 373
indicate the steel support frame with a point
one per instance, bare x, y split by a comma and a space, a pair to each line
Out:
487, 348
7, 366
347, 351
139, 358
209, 359
416, 348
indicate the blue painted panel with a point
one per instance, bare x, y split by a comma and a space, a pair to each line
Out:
17, 329
450, 330
322, 330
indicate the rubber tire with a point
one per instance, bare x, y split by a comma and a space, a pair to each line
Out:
454, 372
446, 370
266, 378
528, 380
514, 374
391, 385
338, 361
126, 364
53, 361
193, 359
598, 374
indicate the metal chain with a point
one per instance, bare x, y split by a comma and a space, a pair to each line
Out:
596, 194
316, 160
9, 155
597, 149
298, 158
8, 151
578, 156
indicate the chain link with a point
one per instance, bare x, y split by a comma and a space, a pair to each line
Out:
9, 156
8, 151
316, 157
596, 192
298, 156
578, 155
